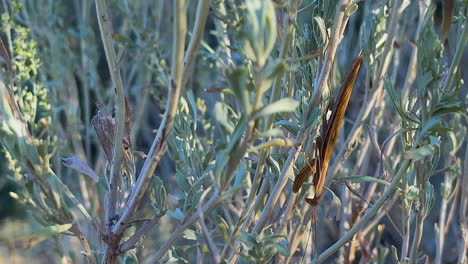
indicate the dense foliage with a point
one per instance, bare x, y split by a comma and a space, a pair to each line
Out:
172, 131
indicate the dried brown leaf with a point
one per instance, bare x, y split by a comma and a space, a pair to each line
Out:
104, 125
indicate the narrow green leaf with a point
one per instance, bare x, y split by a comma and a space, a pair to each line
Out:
430, 198
419, 153
290, 126
276, 142
248, 240
44, 233
221, 114
177, 214
359, 179
189, 234
223, 227
281, 106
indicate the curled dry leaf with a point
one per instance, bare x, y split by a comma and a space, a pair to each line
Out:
76, 163
104, 125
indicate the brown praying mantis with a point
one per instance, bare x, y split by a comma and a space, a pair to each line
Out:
318, 165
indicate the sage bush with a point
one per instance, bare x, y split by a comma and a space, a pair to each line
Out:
172, 131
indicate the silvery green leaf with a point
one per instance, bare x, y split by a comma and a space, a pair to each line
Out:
322, 28
223, 227
55, 188
335, 208
283, 248
274, 132
359, 179
396, 101
130, 257
160, 195
221, 114
280, 106
410, 176
419, 153
44, 233
81, 166
248, 240
433, 121
430, 198
189, 234
275, 142
353, 8
290, 126
413, 193
394, 254
260, 30
193, 105
177, 214
237, 78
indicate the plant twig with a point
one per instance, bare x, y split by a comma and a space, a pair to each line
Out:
143, 230
197, 34
419, 214
335, 39
463, 237
159, 144
381, 71
275, 94
106, 36
181, 229
371, 212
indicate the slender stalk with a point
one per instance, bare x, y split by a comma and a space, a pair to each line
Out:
106, 36
381, 71
463, 213
197, 34
440, 238
85, 66
209, 241
84, 242
159, 144
406, 223
286, 171
142, 231
285, 46
419, 214
335, 39
441, 235
181, 229
371, 212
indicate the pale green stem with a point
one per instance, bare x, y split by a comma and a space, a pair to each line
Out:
197, 34
181, 229
159, 144
371, 212
285, 46
463, 213
106, 36
335, 38
418, 230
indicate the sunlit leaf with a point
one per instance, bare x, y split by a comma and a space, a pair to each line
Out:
81, 166
281, 106
419, 153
